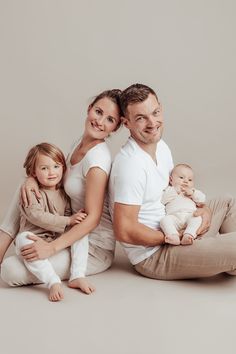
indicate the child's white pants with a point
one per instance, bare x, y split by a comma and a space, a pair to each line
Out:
42, 269
79, 258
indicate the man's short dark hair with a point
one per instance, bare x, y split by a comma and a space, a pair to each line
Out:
134, 94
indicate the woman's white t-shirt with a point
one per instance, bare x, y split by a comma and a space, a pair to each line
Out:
74, 185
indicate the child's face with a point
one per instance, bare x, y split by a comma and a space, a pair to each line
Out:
182, 177
48, 172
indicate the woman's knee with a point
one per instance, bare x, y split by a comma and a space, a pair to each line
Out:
9, 271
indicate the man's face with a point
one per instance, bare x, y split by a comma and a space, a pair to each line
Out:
145, 121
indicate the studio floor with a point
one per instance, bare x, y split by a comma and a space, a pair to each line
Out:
128, 314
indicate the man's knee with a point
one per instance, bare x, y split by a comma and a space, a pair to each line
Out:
225, 199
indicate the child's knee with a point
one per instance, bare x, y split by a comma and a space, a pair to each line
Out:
22, 240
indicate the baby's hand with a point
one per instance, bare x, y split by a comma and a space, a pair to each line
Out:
77, 217
188, 192
178, 189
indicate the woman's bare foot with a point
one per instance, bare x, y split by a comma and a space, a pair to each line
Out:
82, 284
187, 239
172, 239
56, 292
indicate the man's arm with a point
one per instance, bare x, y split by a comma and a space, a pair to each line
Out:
128, 229
206, 215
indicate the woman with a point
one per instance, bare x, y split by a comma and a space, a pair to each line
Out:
88, 167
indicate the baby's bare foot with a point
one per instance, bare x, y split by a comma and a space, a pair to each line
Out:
82, 284
172, 239
187, 239
56, 292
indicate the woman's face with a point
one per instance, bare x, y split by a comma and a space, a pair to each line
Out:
103, 118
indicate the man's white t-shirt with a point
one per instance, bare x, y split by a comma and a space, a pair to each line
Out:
74, 185
136, 179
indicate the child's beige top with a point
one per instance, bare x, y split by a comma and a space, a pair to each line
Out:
47, 217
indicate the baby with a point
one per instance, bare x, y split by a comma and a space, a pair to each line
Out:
181, 200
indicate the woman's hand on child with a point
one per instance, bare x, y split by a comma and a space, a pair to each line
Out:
30, 185
39, 249
78, 217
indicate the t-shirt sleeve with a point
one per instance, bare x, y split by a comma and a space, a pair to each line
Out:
99, 157
129, 183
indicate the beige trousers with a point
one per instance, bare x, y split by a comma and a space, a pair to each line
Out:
14, 272
211, 254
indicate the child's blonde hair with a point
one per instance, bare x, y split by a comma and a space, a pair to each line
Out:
46, 149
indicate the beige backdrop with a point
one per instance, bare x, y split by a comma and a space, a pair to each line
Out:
56, 55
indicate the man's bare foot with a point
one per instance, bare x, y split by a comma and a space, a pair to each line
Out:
56, 292
187, 239
172, 239
82, 284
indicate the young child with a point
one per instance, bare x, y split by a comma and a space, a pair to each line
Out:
49, 216
181, 200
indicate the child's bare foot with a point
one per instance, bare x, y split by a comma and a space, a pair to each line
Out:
56, 292
187, 239
82, 284
172, 239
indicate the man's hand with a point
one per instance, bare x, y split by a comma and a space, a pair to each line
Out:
40, 249
205, 213
27, 188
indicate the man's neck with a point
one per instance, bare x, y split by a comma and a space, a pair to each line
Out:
150, 149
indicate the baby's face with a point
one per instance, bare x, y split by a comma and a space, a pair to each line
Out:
182, 177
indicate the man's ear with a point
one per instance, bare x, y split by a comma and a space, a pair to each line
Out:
125, 121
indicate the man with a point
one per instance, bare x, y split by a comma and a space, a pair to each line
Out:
139, 174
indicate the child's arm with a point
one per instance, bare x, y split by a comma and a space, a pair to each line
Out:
36, 214
77, 217
74, 218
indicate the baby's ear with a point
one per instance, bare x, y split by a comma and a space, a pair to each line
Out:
170, 181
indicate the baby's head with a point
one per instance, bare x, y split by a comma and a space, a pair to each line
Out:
182, 176
47, 164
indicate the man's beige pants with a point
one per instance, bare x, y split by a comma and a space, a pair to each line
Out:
211, 254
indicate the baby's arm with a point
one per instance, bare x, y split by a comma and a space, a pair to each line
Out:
168, 195
198, 197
